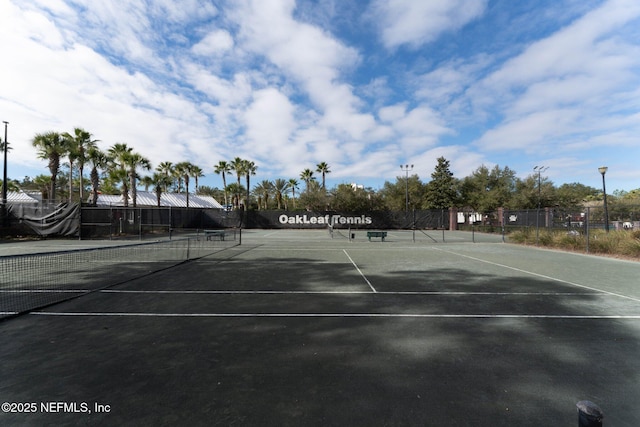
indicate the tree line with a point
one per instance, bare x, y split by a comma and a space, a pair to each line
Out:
117, 171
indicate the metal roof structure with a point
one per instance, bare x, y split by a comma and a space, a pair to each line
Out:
148, 198
16, 197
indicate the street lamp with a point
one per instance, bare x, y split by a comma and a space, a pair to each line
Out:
5, 148
406, 168
539, 170
603, 170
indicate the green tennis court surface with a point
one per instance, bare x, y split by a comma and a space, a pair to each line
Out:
297, 328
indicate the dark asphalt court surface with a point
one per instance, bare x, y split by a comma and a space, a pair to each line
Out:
293, 328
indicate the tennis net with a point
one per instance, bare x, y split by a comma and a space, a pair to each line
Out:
33, 281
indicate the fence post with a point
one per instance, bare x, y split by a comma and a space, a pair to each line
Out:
80, 220
501, 215
586, 224
453, 219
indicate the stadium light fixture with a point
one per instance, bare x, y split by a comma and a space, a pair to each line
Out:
539, 170
603, 171
406, 169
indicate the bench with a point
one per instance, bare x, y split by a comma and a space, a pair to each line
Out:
212, 234
380, 234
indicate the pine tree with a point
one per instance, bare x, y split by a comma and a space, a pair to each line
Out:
441, 191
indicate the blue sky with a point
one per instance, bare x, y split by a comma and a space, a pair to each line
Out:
362, 85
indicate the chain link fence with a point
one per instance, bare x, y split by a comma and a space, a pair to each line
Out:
615, 230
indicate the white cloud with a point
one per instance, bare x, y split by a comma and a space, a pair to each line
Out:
288, 83
416, 129
269, 122
565, 87
308, 56
417, 22
214, 43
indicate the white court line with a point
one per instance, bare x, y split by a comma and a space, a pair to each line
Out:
363, 276
335, 315
267, 292
544, 276
45, 291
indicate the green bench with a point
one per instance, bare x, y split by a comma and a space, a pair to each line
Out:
213, 234
380, 234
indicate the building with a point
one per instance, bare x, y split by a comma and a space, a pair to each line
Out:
149, 199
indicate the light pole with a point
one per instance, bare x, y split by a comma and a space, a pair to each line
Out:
603, 170
406, 169
539, 170
5, 148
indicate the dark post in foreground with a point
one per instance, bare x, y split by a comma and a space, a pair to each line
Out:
589, 414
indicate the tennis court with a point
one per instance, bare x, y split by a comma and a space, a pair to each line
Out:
297, 327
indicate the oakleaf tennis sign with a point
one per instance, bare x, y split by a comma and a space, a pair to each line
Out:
324, 219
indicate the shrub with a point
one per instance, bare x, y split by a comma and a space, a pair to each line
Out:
570, 241
545, 238
624, 243
606, 243
631, 247
519, 236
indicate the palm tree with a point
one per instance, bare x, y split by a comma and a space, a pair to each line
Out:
118, 154
160, 181
306, 175
280, 186
166, 168
72, 155
51, 146
184, 170
146, 181
80, 143
323, 168
222, 168
293, 185
196, 172
235, 190
263, 190
98, 160
133, 162
43, 182
249, 169
238, 165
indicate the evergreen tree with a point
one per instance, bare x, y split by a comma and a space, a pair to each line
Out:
442, 191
